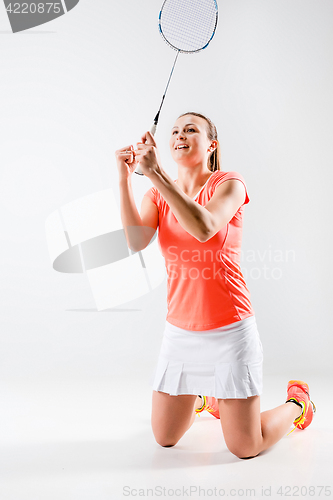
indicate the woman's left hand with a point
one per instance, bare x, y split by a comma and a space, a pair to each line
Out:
147, 155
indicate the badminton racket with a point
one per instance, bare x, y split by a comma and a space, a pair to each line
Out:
187, 26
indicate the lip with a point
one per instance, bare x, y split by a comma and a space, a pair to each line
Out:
181, 144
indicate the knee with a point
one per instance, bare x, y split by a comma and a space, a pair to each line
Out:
246, 458
166, 443
244, 452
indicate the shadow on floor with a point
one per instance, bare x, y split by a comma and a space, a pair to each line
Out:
140, 452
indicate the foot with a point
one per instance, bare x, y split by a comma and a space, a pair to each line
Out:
210, 404
298, 392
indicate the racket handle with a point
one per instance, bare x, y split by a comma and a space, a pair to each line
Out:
152, 131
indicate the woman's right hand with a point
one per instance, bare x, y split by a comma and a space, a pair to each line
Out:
126, 162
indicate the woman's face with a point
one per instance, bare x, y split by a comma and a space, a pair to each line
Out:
189, 143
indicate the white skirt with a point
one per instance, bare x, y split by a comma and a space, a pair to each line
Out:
224, 362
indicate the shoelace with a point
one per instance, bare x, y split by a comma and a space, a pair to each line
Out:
301, 419
210, 409
205, 406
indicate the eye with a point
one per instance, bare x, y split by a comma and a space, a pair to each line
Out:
174, 132
189, 129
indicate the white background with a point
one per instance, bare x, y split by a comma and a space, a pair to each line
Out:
75, 90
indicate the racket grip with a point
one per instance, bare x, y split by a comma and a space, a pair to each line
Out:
152, 131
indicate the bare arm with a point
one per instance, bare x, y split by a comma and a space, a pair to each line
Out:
194, 218
138, 230
223, 205
200, 222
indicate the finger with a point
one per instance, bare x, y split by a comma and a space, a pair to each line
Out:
144, 138
147, 138
138, 156
125, 153
146, 147
127, 156
150, 139
127, 148
140, 146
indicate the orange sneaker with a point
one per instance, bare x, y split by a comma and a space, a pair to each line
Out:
298, 392
210, 404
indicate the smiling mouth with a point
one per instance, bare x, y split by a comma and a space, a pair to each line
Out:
182, 146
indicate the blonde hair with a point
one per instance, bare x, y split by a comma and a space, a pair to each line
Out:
214, 160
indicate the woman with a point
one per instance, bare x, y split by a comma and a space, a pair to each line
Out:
211, 346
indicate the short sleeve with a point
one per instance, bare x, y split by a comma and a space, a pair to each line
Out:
226, 176
151, 193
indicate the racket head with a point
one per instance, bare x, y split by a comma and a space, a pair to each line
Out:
188, 26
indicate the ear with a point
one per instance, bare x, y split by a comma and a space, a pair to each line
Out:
213, 146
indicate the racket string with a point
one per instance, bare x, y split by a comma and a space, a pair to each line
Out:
188, 25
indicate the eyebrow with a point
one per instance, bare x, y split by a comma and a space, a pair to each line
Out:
187, 124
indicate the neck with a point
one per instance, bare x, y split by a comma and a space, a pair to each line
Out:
190, 180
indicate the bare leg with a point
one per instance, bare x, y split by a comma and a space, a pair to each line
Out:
247, 432
172, 416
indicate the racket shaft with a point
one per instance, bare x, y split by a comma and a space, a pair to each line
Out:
154, 127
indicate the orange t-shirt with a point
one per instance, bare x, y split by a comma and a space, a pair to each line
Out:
205, 285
